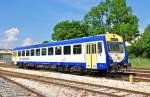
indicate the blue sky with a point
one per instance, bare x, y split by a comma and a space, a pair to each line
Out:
23, 22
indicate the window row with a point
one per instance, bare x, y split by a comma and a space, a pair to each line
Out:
94, 48
77, 49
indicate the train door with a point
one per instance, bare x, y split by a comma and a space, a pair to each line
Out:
15, 57
91, 56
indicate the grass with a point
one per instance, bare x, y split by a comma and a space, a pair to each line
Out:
140, 62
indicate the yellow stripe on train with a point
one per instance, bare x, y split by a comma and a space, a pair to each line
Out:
113, 37
118, 59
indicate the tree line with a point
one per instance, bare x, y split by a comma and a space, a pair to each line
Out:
113, 16
109, 16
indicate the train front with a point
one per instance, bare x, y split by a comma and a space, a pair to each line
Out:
117, 53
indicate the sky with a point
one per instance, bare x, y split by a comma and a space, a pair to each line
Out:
26, 22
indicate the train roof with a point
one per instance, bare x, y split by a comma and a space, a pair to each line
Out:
64, 42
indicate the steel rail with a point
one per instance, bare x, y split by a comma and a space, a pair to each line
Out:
140, 70
144, 68
38, 78
137, 77
54, 81
123, 75
22, 86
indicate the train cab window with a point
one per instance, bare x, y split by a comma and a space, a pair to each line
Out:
99, 44
37, 52
58, 50
27, 53
44, 51
19, 53
50, 51
67, 50
77, 49
32, 52
23, 53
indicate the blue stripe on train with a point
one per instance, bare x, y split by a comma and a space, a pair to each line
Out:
99, 65
65, 42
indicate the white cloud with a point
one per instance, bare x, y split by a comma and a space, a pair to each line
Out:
27, 41
9, 38
11, 35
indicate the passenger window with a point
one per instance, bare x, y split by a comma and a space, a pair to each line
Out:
43, 51
99, 47
50, 51
58, 50
23, 53
27, 53
87, 49
32, 52
93, 48
77, 49
37, 52
19, 53
67, 50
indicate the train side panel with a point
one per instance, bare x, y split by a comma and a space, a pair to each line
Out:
78, 60
103, 59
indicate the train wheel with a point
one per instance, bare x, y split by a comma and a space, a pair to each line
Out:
60, 68
80, 70
23, 66
67, 69
102, 71
20, 65
77, 69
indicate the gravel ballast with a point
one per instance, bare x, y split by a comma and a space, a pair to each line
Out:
51, 90
137, 86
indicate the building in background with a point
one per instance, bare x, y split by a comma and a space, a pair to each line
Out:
5, 55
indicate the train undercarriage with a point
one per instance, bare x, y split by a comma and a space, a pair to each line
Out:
76, 69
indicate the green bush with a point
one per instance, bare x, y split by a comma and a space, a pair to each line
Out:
140, 48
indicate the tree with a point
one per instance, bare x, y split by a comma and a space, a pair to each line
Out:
140, 48
137, 48
122, 19
146, 34
113, 16
96, 18
68, 30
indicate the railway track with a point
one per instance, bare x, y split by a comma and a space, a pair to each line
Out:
100, 89
141, 70
139, 74
9, 65
9, 88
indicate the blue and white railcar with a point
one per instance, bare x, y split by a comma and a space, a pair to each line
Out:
102, 52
